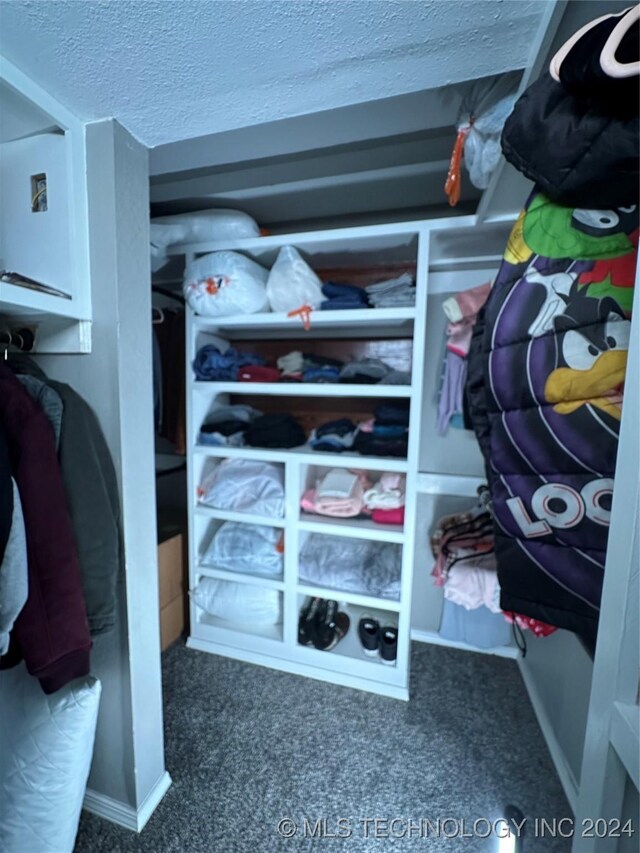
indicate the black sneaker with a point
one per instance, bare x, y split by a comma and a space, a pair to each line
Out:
389, 644
308, 619
331, 626
369, 635
324, 628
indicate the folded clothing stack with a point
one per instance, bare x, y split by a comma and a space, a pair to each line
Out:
339, 494
365, 371
275, 430
385, 499
213, 365
320, 368
394, 293
343, 296
325, 373
462, 311
291, 365
387, 433
334, 436
258, 373
224, 426
352, 565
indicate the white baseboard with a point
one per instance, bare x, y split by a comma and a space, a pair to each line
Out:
419, 636
567, 779
124, 814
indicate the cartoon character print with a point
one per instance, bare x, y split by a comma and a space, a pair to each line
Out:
592, 339
559, 320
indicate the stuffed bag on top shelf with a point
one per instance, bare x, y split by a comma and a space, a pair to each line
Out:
225, 283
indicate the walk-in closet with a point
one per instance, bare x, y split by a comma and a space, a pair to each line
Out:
319, 427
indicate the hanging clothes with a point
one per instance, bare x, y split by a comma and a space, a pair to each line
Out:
90, 487
545, 388
171, 341
51, 632
14, 586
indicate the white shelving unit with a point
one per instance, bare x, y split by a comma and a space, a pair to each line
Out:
39, 138
446, 255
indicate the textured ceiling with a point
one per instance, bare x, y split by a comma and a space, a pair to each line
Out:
170, 70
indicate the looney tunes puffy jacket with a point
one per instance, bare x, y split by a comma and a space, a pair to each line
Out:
546, 374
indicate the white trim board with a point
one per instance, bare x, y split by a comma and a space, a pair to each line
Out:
342, 679
124, 814
567, 779
434, 639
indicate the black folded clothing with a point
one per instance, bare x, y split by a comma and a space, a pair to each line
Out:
321, 360
340, 427
360, 379
393, 413
230, 427
370, 445
276, 430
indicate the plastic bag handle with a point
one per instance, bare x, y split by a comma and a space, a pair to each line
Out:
454, 178
304, 312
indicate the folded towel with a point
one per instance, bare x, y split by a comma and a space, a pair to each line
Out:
338, 483
375, 498
335, 507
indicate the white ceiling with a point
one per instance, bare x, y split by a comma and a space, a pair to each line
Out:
171, 70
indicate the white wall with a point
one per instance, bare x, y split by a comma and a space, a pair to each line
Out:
115, 379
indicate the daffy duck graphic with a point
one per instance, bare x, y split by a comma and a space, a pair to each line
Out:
592, 339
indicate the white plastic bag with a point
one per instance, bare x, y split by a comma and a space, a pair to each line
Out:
292, 283
198, 227
245, 485
482, 146
352, 565
483, 112
238, 602
251, 548
225, 283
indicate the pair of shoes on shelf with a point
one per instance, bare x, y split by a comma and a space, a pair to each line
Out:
377, 639
321, 624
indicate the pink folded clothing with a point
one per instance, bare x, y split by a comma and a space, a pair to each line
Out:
367, 426
390, 481
388, 516
459, 337
387, 493
256, 373
466, 304
308, 500
336, 507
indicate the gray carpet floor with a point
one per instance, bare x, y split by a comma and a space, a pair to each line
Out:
248, 746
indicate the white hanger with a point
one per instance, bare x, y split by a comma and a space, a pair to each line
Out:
560, 56
608, 61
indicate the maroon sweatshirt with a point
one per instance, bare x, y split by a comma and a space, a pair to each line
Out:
51, 633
